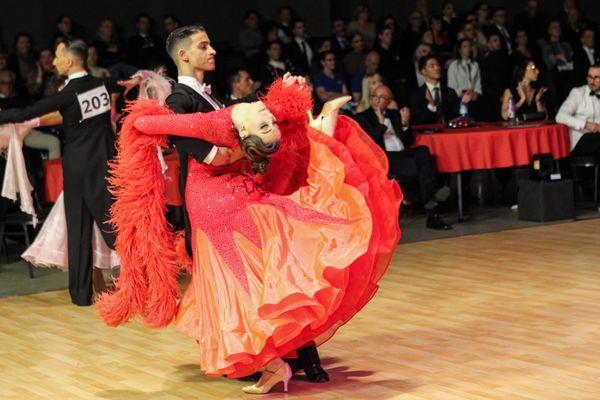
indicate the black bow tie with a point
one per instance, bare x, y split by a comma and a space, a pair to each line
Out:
594, 94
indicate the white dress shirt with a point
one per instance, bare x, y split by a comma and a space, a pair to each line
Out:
200, 88
76, 75
590, 54
390, 140
506, 37
464, 75
579, 108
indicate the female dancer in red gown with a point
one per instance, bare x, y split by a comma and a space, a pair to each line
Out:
281, 258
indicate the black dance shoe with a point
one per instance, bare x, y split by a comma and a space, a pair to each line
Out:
316, 373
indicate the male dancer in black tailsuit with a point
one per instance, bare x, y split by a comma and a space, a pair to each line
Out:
191, 50
84, 105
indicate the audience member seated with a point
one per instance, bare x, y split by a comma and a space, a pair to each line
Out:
285, 24
369, 84
581, 113
64, 28
9, 98
433, 102
92, 64
498, 27
329, 84
477, 39
275, 66
526, 96
47, 81
449, 20
524, 51
170, 23
441, 45
240, 85
144, 49
415, 80
299, 50
354, 61
371, 66
322, 45
389, 58
107, 44
533, 22
558, 56
412, 36
339, 38
250, 38
23, 63
362, 25
463, 72
391, 130
482, 16
585, 55
496, 70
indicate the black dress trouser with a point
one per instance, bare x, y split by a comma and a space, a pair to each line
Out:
81, 211
414, 163
587, 146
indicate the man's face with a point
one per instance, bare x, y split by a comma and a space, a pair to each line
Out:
469, 31
198, 52
285, 15
274, 52
588, 39
372, 62
357, 43
252, 21
494, 43
593, 79
245, 84
432, 70
500, 17
106, 28
554, 29
47, 59
143, 25
339, 27
381, 98
23, 45
62, 61
170, 24
299, 29
386, 37
532, 5
415, 19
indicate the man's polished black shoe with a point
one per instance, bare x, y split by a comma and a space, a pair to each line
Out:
434, 221
316, 373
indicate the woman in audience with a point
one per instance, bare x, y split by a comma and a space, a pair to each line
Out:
482, 14
329, 84
47, 80
323, 45
441, 42
523, 51
476, 37
413, 33
362, 25
369, 84
524, 93
92, 63
23, 63
107, 44
463, 72
354, 62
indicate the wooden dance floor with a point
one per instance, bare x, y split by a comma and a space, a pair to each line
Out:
507, 315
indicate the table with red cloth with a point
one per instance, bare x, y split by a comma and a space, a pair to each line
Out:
491, 146
53, 182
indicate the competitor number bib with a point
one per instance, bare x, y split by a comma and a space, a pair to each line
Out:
94, 102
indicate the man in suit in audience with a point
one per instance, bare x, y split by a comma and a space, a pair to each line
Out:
391, 130
299, 51
340, 44
144, 49
581, 113
434, 102
585, 55
498, 26
240, 85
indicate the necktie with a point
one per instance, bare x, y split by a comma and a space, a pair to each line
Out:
205, 88
436, 96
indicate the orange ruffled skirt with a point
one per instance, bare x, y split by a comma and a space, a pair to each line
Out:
306, 278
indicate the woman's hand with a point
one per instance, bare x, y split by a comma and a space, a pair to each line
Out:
289, 79
538, 97
405, 116
521, 91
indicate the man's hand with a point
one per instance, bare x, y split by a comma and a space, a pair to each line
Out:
130, 83
467, 96
405, 116
592, 127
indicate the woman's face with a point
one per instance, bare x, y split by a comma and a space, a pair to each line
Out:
255, 118
106, 28
328, 62
325, 46
436, 25
483, 12
46, 60
92, 59
363, 15
531, 72
465, 49
375, 83
357, 43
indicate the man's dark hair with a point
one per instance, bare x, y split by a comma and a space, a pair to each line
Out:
423, 60
23, 34
495, 10
171, 16
180, 34
597, 65
248, 13
142, 15
584, 30
63, 16
78, 48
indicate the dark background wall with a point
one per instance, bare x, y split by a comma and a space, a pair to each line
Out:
222, 18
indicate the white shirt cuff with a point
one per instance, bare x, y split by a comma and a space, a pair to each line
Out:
432, 108
210, 157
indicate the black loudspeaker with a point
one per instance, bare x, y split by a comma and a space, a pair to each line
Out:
534, 116
543, 201
542, 166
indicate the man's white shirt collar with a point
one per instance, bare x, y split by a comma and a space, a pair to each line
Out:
76, 75
193, 83
430, 87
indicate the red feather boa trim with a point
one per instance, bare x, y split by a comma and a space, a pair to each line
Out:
148, 281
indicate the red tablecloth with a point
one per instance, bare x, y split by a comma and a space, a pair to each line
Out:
53, 182
493, 146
